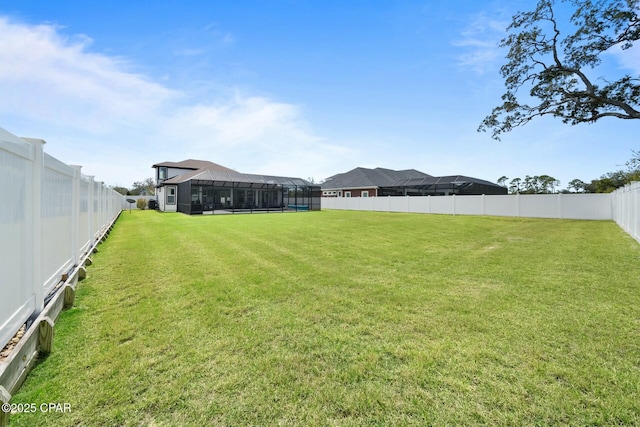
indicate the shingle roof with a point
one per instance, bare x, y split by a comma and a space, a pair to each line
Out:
214, 172
451, 179
378, 177
193, 164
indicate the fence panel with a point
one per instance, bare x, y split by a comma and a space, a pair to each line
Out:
57, 221
622, 206
396, 204
18, 300
587, 206
501, 205
469, 205
48, 219
626, 209
568, 206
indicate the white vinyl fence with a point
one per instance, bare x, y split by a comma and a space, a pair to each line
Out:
626, 209
51, 215
569, 206
621, 206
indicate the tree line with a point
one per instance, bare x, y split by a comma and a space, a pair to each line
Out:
139, 188
545, 184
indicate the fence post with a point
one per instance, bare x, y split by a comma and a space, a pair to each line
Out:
90, 209
453, 203
75, 214
518, 205
35, 240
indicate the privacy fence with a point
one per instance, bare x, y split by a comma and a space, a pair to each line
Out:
626, 209
622, 206
51, 216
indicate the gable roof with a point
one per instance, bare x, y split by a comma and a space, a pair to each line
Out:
378, 177
194, 165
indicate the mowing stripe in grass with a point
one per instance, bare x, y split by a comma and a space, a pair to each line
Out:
354, 318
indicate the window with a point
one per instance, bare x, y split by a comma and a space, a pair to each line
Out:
171, 195
347, 194
162, 173
365, 193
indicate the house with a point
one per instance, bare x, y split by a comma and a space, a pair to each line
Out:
199, 186
379, 182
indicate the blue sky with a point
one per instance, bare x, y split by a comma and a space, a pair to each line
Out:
291, 88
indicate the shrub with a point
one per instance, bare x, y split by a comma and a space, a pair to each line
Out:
141, 204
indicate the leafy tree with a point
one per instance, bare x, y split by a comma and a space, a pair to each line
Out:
633, 167
614, 180
502, 181
515, 186
147, 186
122, 190
542, 184
555, 66
548, 184
577, 185
607, 182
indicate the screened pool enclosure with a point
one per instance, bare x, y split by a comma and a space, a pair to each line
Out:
223, 192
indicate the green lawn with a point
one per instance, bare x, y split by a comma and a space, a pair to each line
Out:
349, 318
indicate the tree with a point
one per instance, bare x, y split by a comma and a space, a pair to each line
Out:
577, 185
515, 186
607, 182
543, 184
121, 190
502, 181
555, 66
633, 167
147, 186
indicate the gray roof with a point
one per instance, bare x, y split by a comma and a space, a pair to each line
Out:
451, 179
213, 172
193, 164
371, 178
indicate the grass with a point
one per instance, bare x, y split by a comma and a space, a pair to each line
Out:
349, 318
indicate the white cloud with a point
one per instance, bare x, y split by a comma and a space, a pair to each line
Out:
94, 111
479, 41
628, 59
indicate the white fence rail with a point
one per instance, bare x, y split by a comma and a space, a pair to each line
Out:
50, 216
569, 206
626, 209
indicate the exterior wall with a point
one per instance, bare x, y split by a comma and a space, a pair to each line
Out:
160, 198
355, 192
170, 207
171, 173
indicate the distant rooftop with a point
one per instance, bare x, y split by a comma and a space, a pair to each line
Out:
193, 164
378, 177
